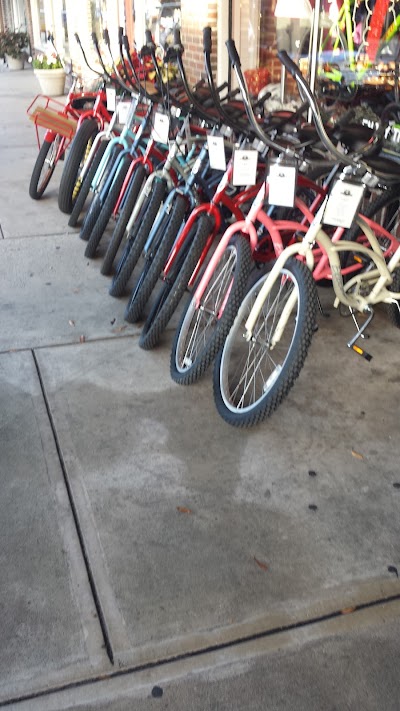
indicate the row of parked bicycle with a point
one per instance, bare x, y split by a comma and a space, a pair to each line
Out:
243, 212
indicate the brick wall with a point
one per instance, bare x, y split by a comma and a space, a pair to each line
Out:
196, 16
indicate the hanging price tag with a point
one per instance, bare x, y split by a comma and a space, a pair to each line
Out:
343, 203
282, 184
160, 132
111, 96
216, 152
244, 167
123, 110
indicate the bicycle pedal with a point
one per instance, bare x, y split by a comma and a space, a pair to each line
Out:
360, 352
361, 258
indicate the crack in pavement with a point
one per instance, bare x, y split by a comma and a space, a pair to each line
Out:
217, 647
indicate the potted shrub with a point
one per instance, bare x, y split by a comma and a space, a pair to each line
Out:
13, 44
50, 72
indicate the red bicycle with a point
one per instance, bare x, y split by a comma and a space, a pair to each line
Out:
60, 122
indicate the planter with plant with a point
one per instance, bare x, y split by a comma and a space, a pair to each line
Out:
50, 72
13, 44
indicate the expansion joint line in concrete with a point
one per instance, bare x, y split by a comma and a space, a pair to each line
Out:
217, 647
96, 598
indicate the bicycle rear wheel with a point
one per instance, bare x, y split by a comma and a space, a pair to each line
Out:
251, 378
204, 327
77, 153
385, 211
44, 166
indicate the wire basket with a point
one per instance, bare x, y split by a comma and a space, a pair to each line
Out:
50, 114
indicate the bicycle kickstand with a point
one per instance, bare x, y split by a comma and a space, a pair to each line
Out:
360, 333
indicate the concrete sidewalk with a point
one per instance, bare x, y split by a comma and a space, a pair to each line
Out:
152, 556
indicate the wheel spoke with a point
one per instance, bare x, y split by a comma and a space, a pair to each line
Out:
252, 367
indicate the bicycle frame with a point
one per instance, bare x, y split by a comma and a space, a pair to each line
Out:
99, 110
169, 172
248, 228
145, 159
213, 209
355, 300
124, 140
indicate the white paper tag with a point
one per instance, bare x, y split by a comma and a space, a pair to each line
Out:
216, 152
343, 203
111, 96
244, 167
160, 132
282, 185
123, 110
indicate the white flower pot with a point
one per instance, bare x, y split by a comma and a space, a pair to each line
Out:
14, 63
52, 81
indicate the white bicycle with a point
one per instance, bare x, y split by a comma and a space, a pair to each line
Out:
269, 340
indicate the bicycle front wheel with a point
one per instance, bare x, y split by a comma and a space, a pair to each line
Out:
134, 189
156, 258
107, 209
80, 147
175, 285
86, 184
44, 167
251, 378
204, 326
137, 239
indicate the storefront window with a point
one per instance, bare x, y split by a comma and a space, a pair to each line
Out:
42, 22
64, 27
161, 19
98, 9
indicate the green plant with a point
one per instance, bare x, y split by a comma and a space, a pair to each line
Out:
13, 43
47, 61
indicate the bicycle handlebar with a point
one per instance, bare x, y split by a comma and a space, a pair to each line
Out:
97, 48
261, 135
125, 43
207, 42
77, 38
178, 50
140, 88
354, 159
225, 115
233, 54
106, 37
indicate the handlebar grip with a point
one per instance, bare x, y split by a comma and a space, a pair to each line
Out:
149, 37
177, 36
120, 34
207, 44
106, 37
77, 38
125, 42
290, 65
233, 53
94, 39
